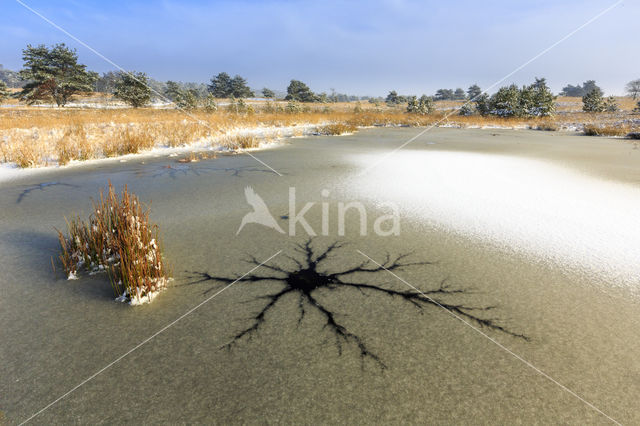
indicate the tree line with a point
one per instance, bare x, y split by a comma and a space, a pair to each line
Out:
54, 74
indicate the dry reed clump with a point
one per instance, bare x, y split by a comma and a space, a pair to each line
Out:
241, 141
604, 130
75, 145
548, 126
334, 129
26, 154
119, 239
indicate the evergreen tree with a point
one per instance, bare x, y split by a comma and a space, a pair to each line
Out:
4, 92
483, 104
187, 99
53, 74
610, 105
421, 106
298, 91
172, 90
239, 88
506, 101
542, 100
392, 98
107, 83
459, 94
579, 90
220, 86
209, 103
540, 83
593, 102
133, 88
268, 93
473, 92
466, 109
223, 86
444, 94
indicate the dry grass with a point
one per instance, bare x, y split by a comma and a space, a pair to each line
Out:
35, 136
119, 239
335, 129
242, 141
604, 130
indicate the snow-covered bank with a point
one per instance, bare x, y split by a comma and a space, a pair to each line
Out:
267, 136
573, 221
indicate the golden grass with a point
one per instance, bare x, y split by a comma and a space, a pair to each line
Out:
604, 130
35, 136
119, 239
334, 129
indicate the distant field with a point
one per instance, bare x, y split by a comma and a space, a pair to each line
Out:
43, 135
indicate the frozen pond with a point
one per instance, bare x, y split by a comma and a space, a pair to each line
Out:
543, 226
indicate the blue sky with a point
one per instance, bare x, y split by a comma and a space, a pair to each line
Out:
357, 47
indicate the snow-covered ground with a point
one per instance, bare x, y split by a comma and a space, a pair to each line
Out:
557, 215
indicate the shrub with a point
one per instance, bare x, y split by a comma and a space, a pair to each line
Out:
4, 92
593, 102
422, 106
293, 107
610, 105
209, 103
466, 109
119, 239
186, 100
133, 88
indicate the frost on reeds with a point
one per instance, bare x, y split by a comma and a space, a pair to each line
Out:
335, 129
119, 239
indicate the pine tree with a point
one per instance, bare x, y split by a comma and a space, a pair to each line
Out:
209, 103
392, 98
473, 92
187, 99
107, 83
220, 86
506, 101
4, 92
412, 105
483, 103
422, 106
444, 94
459, 94
298, 91
239, 88
610, 105
53, 74
268, 93
172, 90
466, 109
592, 101
542, 100
133, 88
